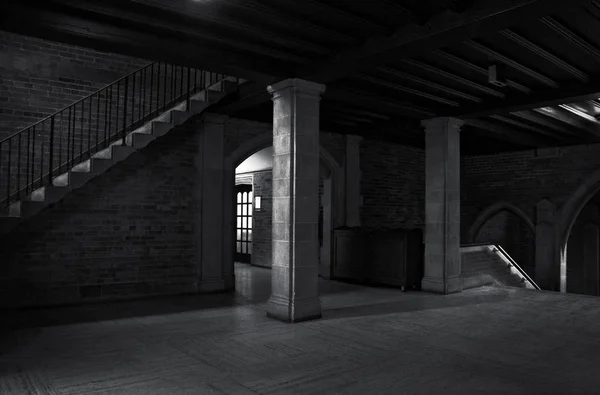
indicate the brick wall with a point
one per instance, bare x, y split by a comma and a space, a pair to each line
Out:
127, 232
523, 179
39, 77
392, 185
261, 232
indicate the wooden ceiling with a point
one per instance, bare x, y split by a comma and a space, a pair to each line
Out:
387, 64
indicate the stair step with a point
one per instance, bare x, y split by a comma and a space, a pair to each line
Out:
121, 152
101, 161
161, 128
213, 96
23, 209
197, 106
83, 167
77, 179
139, 140
48, 194
179, 117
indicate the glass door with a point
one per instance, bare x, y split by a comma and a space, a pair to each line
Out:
243, 232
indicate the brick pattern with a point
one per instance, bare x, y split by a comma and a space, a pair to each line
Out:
39, 77
262, 221
393, 185
128, 232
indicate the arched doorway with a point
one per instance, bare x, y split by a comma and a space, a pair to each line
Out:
582, 261
507, 226
330, 176
566, 218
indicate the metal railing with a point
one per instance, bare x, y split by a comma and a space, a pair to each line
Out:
522, 272
33, 157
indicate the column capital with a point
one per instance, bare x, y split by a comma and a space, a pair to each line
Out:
218, 119
435, 124
353, 139
299, 85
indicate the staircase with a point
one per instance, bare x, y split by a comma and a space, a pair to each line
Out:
491, 265
42, 163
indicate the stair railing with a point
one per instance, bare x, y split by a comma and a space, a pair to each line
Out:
500, 250
32, 158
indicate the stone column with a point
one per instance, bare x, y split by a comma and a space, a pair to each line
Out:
547, 263
353, 180
295, 270
212, 208
442, 206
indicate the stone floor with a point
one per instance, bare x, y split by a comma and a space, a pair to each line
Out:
370, 341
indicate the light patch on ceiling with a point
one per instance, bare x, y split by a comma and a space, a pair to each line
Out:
578, 112
262, 160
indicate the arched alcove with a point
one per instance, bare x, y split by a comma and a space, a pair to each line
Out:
567, 215
508, 226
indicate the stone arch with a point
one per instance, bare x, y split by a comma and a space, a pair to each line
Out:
494, 209
333, 180
567, 215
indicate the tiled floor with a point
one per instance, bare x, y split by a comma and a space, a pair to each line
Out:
370, 341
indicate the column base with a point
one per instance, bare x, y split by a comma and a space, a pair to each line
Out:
286, 310
438, 285
229, 282
212, 285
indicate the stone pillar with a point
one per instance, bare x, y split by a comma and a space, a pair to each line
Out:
325, 265
353, 180
295, 270
547, 264
212, 209
442, 206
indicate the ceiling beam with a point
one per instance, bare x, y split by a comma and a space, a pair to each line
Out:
565, 116
380, 104
453, 77
507, 134
78, 30
542, 98
335, 12
252, 94
429, 84
492, 54
536, 49
532, 116
572, 37
171, 17
523, 125
410, 91
440, 30
287, 20
478, 69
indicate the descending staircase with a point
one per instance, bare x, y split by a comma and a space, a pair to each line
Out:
41, 164
491, 265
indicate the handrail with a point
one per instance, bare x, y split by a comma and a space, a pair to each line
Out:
516, 265
32, 157
78, 101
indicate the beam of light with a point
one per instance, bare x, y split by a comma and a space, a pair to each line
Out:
577, 112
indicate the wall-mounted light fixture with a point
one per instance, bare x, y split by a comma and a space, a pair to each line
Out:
257, 203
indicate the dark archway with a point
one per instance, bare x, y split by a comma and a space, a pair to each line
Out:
508, 226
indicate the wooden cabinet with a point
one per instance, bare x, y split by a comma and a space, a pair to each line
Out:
392, 257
